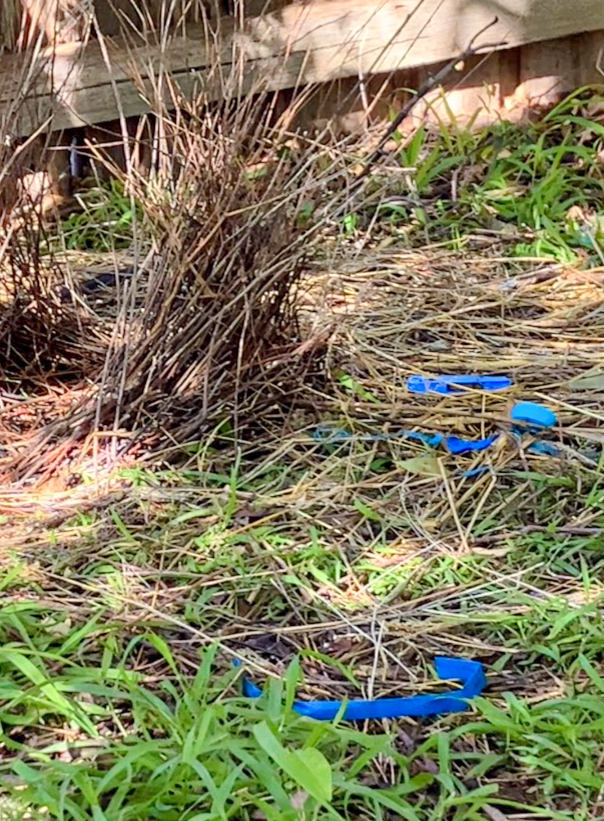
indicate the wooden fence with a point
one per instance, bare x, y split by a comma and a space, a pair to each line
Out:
532, 51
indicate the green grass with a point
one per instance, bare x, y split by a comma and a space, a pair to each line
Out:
185, 750
114, 705
102, 219
538, 185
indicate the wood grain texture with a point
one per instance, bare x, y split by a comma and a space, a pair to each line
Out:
321, 41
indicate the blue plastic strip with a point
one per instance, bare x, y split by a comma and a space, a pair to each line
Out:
457, 446
328, 435
431, 440
477, 471
470, 673
452, 384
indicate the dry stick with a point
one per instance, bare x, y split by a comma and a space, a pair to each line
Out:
561, 531
427, 86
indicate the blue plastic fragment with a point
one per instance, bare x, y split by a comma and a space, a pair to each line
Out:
528, 417
433, 440
330, 435
470, 673
452, 384
533, 415
477, 471
544, 448
457, 446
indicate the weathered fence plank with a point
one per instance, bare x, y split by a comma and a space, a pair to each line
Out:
79, 84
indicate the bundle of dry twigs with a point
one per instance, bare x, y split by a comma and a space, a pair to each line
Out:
194, 334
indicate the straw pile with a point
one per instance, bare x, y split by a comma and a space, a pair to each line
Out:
436, 312
387, 511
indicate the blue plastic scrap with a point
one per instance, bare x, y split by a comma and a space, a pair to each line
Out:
526, 417
452, 384
452, 443
458, 446
477, 471
543, 448
531, 415
330, 435
470, 673
432, 440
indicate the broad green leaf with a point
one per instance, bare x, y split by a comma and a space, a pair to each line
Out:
595, 382
319, 766
309, 768
422, 465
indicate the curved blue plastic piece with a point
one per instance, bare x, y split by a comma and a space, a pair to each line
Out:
455, 445
533, 415
470, 673
450, 384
